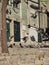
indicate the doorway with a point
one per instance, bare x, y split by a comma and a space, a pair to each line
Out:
8, 29
16, 31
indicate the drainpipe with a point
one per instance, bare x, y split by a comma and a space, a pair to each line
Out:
39, 13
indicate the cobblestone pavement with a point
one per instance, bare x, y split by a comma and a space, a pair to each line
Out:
25, 56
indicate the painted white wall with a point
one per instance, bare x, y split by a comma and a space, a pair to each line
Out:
33, 32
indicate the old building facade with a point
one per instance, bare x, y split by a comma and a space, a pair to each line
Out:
21, 17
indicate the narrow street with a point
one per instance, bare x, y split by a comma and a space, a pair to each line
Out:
27, 56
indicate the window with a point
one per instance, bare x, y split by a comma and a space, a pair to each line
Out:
16, 2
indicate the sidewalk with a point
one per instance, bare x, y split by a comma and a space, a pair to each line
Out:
25, 56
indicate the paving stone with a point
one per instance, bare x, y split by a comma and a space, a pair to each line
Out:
25, 57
